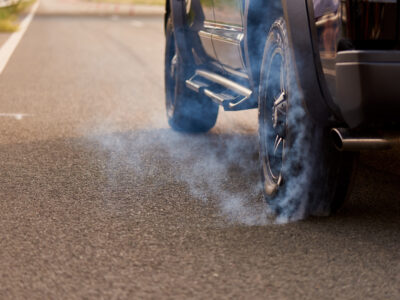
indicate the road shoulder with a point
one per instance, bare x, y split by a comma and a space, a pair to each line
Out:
85, 8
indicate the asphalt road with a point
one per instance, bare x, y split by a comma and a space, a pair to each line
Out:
99, 199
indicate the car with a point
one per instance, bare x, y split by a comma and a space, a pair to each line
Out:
322, 74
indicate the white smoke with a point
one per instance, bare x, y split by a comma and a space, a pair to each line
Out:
219, 167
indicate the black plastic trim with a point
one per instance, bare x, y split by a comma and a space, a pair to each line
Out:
366, 87
306, 60
178, 11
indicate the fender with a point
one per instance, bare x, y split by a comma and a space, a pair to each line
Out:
256, 26
166, 13
307, 63
177, 10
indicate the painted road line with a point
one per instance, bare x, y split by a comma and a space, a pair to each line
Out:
137, 24
15, 116
11, 44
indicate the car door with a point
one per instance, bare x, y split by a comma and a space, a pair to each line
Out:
228, 33
203, 23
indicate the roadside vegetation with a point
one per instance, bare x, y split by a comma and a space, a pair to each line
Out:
9, 15
149, 2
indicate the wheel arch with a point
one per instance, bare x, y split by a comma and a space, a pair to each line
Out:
166, 14
256, 26
258, 17
177, 11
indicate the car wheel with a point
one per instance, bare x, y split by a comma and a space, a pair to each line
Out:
302, 173
187, 111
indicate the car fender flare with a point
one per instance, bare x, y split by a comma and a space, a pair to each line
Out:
315, 96
177, 10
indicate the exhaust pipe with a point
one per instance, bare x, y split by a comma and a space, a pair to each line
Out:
344, 140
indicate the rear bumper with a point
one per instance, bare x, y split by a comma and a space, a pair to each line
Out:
368, 86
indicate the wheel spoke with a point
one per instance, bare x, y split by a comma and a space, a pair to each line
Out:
281, 110
174, 61
278, 142
282, 79
280, 99
279, 114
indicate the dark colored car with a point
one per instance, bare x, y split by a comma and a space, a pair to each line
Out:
322, 73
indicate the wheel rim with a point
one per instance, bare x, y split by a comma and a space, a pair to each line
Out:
273, 120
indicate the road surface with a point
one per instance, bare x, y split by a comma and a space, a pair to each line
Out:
101, 200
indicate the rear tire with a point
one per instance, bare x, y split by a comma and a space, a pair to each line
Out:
302, 173
186, 110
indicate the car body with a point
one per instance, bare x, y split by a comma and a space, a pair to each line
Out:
344, 57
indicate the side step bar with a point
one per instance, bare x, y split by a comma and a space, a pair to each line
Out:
231, 95
345, 140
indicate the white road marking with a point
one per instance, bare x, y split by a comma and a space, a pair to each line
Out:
11, 44
137, 24
15, 116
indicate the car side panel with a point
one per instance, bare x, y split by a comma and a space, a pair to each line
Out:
228, 33
201, 20
354, 41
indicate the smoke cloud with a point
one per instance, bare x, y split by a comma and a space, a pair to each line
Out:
220, 167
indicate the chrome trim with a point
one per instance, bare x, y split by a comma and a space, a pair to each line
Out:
235, 41
205, 34
236, 73
218, 98
194, 85
229, 84
229, 27
345, 140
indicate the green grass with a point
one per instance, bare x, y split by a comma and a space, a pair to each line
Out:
9, 15
149, 2
8, 25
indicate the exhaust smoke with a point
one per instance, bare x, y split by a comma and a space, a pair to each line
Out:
221, 167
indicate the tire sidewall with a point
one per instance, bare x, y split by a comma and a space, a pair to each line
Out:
287, 201
190, 112
316, 177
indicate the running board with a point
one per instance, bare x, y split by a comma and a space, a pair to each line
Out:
227, 93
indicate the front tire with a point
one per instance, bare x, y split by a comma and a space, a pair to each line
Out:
302, 173
186, 110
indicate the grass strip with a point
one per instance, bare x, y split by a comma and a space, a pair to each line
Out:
148, 2
9, 15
